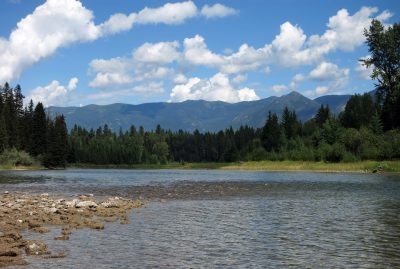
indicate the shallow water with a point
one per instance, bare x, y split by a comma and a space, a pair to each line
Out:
229, 219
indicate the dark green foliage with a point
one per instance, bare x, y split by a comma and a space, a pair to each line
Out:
29, 130
359, 111
290, 124
57, 143
384, 47
323, 114
3, 134
39, 131
272, 135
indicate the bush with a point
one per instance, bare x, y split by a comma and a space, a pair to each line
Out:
15, 158
331, 153
259, 154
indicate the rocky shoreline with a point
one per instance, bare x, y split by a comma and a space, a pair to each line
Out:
25, 211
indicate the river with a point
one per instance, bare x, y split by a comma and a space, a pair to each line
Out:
228, 219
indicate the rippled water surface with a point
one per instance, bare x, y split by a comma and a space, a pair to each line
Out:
229, 219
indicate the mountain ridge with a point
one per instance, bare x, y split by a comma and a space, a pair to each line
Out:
193, 115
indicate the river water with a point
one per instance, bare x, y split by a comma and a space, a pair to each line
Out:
228, 219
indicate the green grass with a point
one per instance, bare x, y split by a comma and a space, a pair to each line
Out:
362, 166
20, 167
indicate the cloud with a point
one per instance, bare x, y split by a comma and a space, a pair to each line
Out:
170, 13
217, 88
61, 23
363, 71
115, 95
150, 88
41, 33
53, 94
117, 23
246, 59
321, 90
147, 63
279, 88
326, 71
104, 80
180, 79
197, 53
162, 52
217, 11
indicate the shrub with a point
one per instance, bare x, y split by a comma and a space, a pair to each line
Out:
15, 158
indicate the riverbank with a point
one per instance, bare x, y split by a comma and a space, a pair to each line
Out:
362, 166
40, 213
20, 167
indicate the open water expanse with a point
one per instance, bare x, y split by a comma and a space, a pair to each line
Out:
228, 219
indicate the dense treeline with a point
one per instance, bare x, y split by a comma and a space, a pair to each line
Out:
28, 130
366, 129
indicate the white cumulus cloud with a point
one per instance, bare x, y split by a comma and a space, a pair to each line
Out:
60, 23
217, 88
326, 71
170, 13
217, 11
197, 53
162, 52
53, 94
55, 24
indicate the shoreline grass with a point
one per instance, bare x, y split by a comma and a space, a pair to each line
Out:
20, 167
361, 166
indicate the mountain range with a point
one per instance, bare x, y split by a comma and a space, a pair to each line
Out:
195, 114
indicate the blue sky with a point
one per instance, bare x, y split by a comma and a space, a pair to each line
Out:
69, 52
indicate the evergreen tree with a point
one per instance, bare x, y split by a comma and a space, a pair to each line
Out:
272, 137
3, 134
323, 114
384, 47
57, 143
358, 111
39, 128
291, 125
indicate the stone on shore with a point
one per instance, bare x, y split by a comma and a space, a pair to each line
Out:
35, 247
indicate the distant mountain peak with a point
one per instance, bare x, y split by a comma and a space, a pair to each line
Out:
195, 114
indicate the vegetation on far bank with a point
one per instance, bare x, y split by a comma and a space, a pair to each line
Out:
361, 166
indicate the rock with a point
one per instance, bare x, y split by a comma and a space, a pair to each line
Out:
44, 195
6, 192
93, 224
41, 230
8, 253
83, 197
36, 248
71, 203
111, 203
52, 210
33, 224
83, 204
55, 256
62, 237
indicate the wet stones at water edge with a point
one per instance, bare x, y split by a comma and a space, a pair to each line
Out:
23, 211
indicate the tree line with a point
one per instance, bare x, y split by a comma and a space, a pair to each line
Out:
368, 128
28, 129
